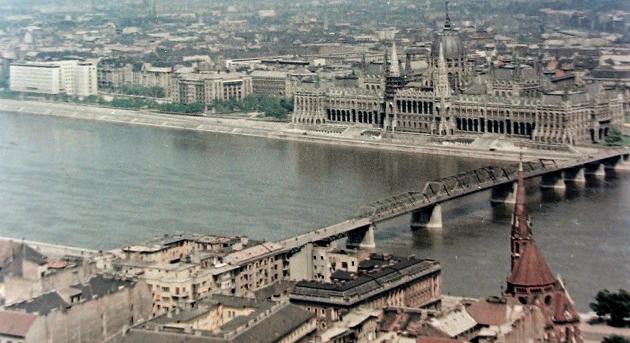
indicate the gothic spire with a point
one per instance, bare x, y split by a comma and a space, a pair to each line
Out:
517, 64
386, 61
521, 226
395, 68
442, 87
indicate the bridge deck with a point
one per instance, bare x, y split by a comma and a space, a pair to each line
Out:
439, 191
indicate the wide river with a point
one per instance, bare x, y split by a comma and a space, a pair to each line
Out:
102, 185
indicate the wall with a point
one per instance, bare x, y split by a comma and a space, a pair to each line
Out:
97, 319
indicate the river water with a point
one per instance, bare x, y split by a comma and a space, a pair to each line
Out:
102, 185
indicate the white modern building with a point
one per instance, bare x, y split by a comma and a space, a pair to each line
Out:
70, 77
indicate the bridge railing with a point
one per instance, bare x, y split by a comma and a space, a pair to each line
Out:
449, 187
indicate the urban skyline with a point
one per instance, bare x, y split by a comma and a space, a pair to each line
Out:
314, 171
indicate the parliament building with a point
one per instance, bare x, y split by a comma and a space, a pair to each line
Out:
452, 98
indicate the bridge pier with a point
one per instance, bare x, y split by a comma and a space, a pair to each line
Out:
597, 169
361, 238
430, 218
576, 175
553, 180
619, 163
504, 194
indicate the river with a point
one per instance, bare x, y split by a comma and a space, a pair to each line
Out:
102, 185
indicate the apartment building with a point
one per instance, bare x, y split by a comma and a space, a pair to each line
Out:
188, 88
185, 268
269, 83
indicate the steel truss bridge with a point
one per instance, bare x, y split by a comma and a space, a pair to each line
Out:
443, 190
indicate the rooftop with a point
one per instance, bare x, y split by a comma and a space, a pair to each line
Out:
267, 323
15, 324
95, 287
374, 274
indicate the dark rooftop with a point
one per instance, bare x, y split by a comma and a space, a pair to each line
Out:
101, 285
42, 304
386, 270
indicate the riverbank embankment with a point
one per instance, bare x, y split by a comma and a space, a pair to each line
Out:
260, 128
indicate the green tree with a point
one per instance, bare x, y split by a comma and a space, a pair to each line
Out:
614, 305
154, 92
615, 339
615, 137
182, 108
270, 106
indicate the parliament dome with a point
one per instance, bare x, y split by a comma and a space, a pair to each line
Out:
451, 44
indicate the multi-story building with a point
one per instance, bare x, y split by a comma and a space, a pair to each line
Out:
269, 83
188, 88
112, 76
70, 77
448, 99
380, 281
92, 311
26, 273
182, 268
115, 76
226, 319
36, 78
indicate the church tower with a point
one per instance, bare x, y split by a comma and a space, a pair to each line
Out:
531, 282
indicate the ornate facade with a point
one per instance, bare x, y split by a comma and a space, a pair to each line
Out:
448, 99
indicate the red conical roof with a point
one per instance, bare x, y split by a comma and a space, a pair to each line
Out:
531, 269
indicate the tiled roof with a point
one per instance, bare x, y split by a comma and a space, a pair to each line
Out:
15, 324
491, 313
531, 269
